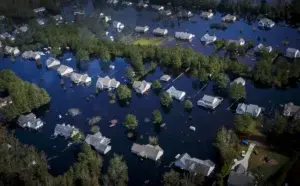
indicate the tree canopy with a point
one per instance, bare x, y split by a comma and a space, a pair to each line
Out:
123, 93
157, 117
25, 96
237, 91
165, 99
130, 122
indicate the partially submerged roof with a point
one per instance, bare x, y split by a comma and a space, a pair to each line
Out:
147, 151
99, 142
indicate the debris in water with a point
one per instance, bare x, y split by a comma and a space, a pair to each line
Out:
163, 125
113, 123
74, 111
94, 120
193, 128
59, 116
146, 120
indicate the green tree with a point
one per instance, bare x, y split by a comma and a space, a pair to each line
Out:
123, 93
95, 129
129, 73
245, 124
221, 81
157, 117
117, 174
171, 178
165, 99
56, 51
130, 122
188, 104
156, 84
237, 91
227, 143
203, 75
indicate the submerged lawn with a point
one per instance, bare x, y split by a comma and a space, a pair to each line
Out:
259, 166
148, 41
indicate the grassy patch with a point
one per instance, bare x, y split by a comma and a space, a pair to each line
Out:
147, 41
259, 166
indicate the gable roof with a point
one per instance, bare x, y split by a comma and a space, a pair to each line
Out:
147, 151
237, 179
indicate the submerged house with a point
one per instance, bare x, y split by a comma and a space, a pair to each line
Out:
107, 19
291, 110
240, 42
112, 1
210, 102
99, 142
30, 121
80, 78
11, 50
208, 39
158, 7
177, 94
160, 31
23, 28
38, 10
141, 4
229, 18
292, 53
107, 83
141, 29
5, 101
195, 165
147, 151
253, 110
166, 12
165, 78
266, 23
141, 86
40, 22
185, 14
261, 48
66, 131
31, 55
58, 18
64, 70
184, 36
118, 25
239, 80
52, 62
207, 15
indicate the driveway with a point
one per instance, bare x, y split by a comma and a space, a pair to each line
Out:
245, 160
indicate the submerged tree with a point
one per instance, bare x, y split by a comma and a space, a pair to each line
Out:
130, 122
156, 84
188, 104
123, 93
165, 99
237, 91
157, 117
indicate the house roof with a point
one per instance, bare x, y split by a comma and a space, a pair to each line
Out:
194, 165
52, 61
183, 35
165, 77
141, 85
63, 68
172, 91
252, 108
148, 151
64, 130
240, 179
292, 51
209, 99
239, 80
208, 37
99, 142
160, 30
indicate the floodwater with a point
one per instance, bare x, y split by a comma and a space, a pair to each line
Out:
175, 137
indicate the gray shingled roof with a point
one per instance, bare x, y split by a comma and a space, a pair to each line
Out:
237, 179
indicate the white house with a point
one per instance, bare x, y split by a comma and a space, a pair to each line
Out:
80, 78
64, 70
184, 36
30, 121
261, 48
99, 142
177, 94
147, 151
210, 102
266, 23
11, 50
208, 39
118, 25
141, 29
160, 31
158, 7
141, 86
107, 83
165, 78
38, 10
292, 53
52, 62
31, 55
253, 110
239, 80
207, 15
239, 42
40, 22
195, 165
229, 18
